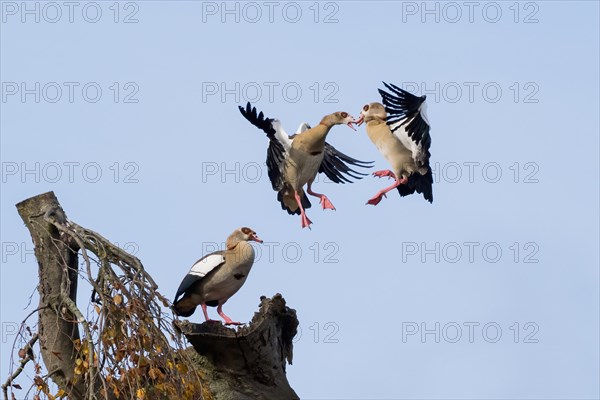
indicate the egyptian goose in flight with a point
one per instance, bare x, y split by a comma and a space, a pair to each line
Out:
294, 161
216, 277
400, 130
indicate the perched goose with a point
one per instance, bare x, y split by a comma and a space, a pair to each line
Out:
294, 161
400, 130
216, 277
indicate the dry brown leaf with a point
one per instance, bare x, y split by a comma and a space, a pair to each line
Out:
154, 373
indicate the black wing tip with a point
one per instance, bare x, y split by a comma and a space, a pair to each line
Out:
247, 109
351, 160
399, 93
258, 119
336, 165
343, 176
363, 164
393, 88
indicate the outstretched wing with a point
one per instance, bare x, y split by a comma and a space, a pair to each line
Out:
303, 127
279, 143
407, 119
336, 165
199, 270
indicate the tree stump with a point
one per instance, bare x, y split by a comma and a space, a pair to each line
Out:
249, 363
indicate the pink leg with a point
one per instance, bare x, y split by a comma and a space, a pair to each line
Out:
205, 312
228, 320
305, 221
384, 173
377, 198
324, 200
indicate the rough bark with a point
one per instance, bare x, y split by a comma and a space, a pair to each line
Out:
245, 364
58, 263
249, 363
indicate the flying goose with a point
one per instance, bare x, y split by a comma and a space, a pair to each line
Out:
216, 277
294, 161
400, 130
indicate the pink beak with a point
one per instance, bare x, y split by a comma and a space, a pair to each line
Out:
256, 239
360, 120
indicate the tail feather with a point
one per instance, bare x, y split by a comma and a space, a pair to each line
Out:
288, 201
419, 183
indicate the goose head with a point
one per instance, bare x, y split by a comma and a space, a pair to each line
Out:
339, 118
370, 112
243, 234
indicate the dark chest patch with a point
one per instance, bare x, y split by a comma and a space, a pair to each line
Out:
239, 276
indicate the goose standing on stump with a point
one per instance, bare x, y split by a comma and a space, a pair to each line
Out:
400, 130
294, 161
216, 277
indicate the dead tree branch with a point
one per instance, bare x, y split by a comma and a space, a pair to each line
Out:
128, 345
28, 351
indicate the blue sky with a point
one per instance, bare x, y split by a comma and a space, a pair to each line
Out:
490, 292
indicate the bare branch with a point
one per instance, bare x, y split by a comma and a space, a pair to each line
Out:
28, 349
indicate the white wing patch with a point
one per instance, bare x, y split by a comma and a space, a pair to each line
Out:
402, 135
281, 136
406, 141
207, 264
303, 127
423, 112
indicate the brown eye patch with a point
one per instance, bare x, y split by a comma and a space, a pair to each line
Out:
246, 230
344, 114
366, 107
